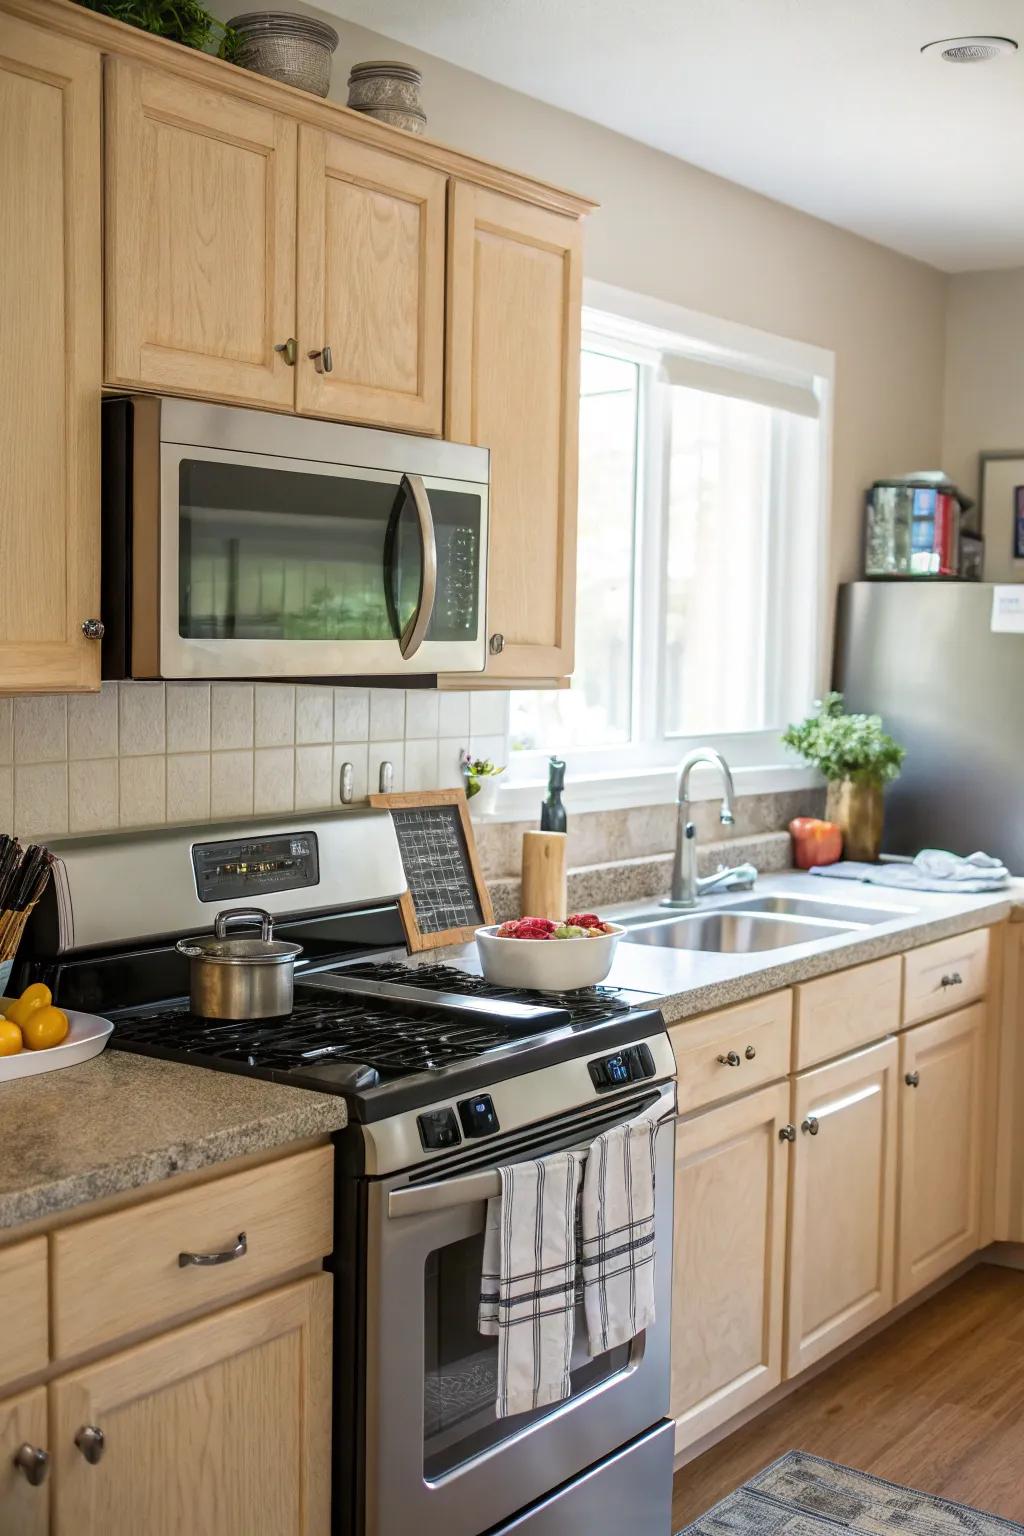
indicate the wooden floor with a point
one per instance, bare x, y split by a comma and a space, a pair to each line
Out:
935, 1402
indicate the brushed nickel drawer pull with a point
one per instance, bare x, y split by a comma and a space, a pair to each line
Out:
92, 1442
323, 360
287, 350
239, 1251
731, 1060
32, 1462
954, 979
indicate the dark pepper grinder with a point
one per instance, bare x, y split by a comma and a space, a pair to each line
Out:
552, 812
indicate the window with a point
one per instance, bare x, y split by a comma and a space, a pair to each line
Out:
700, 542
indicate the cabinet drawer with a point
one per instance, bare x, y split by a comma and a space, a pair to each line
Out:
940, 977
120, 1273
836, 1014
23, 1310
733, 1050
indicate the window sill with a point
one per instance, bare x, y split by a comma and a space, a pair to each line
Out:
520, 801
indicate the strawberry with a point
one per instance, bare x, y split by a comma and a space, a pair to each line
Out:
584, 920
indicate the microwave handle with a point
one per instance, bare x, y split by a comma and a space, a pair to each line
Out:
414, 632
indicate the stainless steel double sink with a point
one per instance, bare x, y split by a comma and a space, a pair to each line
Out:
764, 922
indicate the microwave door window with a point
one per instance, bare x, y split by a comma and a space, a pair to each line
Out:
280, 554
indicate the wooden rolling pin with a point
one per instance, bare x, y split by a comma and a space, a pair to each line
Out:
544, 875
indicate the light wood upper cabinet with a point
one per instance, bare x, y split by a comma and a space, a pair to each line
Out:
221, 1428
842, 1202
370, 284
942, 1105
200, 239
512, 368
729, 1256
24, 1507
50, 341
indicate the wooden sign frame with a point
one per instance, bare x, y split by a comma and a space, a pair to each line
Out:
416, 940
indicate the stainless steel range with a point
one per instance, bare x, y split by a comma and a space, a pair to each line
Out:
446, 1079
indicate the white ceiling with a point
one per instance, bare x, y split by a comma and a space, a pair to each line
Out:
824, 104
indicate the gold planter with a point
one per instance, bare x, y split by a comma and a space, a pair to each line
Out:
857, 810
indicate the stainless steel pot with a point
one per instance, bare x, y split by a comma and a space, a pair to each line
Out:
241, 978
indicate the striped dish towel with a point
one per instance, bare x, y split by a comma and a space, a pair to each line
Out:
528, 1280
617, 1244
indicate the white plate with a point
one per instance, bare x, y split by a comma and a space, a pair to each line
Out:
86, 1037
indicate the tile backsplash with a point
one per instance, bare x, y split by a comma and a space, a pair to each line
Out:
141, 754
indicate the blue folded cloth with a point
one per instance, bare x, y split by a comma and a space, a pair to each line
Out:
932, 870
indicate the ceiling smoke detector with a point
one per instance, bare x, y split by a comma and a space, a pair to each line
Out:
970, 50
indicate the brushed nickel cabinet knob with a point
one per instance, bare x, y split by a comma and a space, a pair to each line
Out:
496, 644
323, 360
954, 979
810, 1125
93, 629
91, 1441
912, 1079
33, 1463
750, 1052
788, 1133
730, 1060
288, 350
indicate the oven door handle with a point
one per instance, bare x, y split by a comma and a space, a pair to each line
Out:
414, 633
466, 1188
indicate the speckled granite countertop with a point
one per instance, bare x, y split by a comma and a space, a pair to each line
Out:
121, 1122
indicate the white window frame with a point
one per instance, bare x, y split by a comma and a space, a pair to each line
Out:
643, 772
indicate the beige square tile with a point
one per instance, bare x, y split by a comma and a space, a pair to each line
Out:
275, 714
41, 729
188, 717
313, 776
314, 714
231, 784
142, 727
93, 804
188, 786
421, 711
351, 714
273, 779
6, 730
453, 715
386, 752
387, 713
231, 713
488, 713
421, 764
143, 782
449, 775
92, 724
354, 752
492, 748
41, 799
6, 799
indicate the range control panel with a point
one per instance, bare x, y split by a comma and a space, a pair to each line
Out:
288, 861
629, 1066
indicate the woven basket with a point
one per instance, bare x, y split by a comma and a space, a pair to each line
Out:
388, 91
293, 49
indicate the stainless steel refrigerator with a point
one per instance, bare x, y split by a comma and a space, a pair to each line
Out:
923, 656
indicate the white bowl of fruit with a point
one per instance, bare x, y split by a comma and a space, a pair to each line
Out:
536, 953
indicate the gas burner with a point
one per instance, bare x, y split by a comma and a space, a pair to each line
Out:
586, 1005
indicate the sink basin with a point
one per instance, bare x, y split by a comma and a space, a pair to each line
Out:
732, 933
829, 911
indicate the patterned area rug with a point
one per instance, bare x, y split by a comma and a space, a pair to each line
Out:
802, 1495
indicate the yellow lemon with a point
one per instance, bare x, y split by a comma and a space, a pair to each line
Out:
44, 1028
10, 1038
38, 995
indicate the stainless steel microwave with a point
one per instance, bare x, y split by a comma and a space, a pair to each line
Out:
245, 544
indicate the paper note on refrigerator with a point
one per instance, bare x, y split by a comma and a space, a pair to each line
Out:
1008, 610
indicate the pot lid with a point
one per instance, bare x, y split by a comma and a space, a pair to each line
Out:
266, 950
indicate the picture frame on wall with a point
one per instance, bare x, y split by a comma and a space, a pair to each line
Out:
1001, 486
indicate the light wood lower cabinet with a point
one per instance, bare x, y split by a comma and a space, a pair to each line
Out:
731, 1170
50, 343
514, 288
842, 1202
221, 1428
942, 1092
24, 1507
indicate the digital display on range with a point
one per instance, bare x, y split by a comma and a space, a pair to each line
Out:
288, 861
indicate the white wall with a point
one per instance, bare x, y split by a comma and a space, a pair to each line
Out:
984, 407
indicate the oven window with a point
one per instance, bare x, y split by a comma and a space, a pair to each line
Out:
460, 1379
281, 554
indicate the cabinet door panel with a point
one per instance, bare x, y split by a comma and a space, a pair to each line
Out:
940, 1146
221, 1428
729, 1253
371, 284
24, 1509
50, 342
514, 286
842, 1202
200, 241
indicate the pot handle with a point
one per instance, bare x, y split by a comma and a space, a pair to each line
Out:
224, 920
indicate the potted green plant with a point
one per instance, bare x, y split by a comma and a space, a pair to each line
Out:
480, 777
183, 21
858, 758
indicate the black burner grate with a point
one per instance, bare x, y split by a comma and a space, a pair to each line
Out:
587, 1006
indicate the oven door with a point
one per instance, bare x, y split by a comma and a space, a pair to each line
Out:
285, 567
437, 1458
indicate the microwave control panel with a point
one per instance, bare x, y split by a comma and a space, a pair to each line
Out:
288, 861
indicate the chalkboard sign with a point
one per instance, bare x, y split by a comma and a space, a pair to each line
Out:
447, 899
